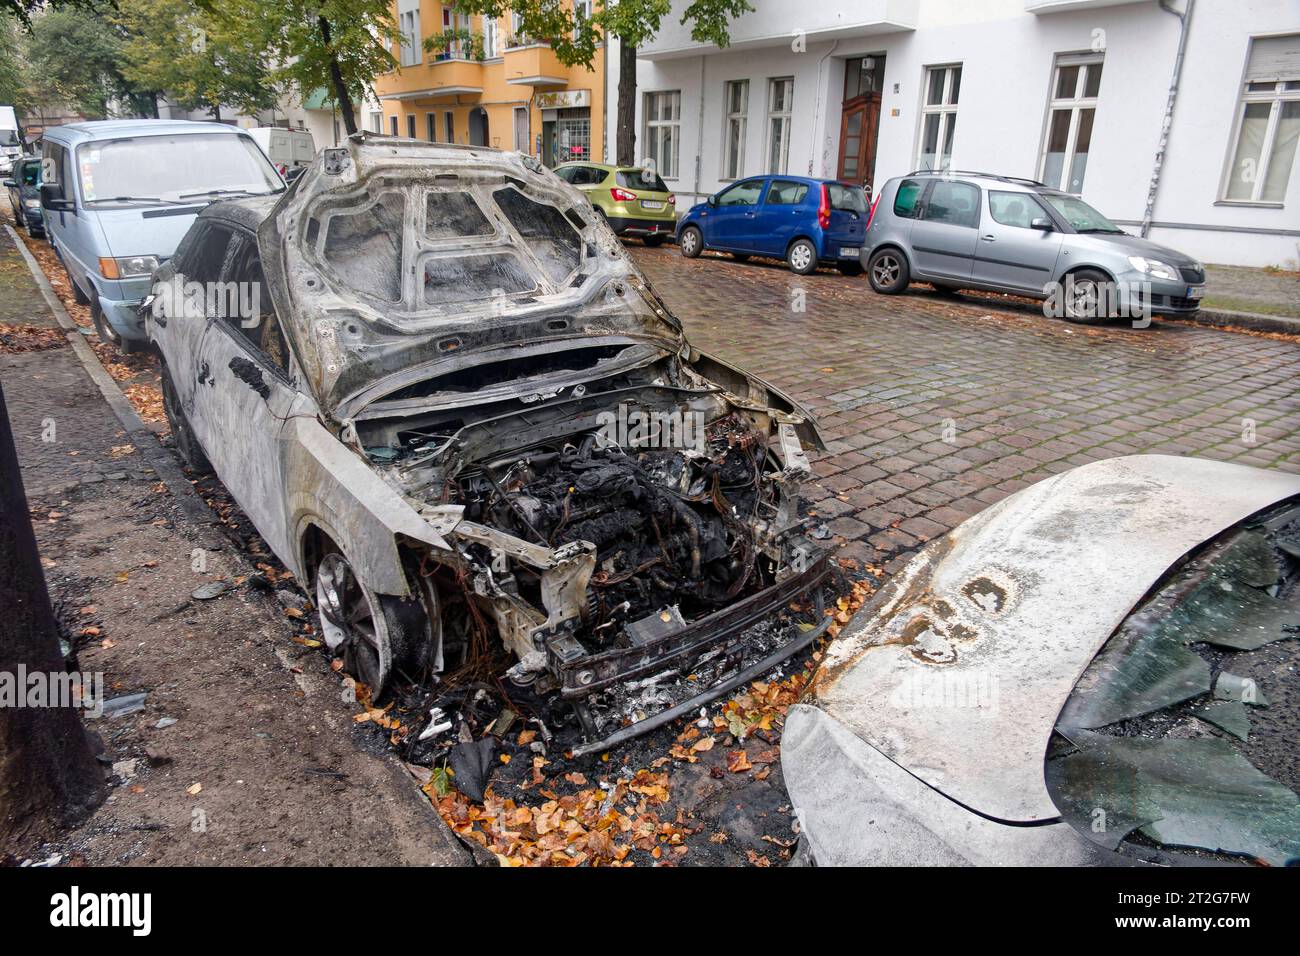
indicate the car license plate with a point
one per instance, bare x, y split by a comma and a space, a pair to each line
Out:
651, 204
1196, 291
849, 252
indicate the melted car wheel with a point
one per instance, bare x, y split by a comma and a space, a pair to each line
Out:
353, 623
182, 434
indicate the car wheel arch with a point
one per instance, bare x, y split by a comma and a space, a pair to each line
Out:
896, 248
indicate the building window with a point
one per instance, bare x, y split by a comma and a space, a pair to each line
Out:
1268, 123
410, 126
1076, 80
780, 94
733, 137
863, 75
431, 126
581, 13
938, 117
392, 125
663, 113
376, 122
409, 24
450, 125
491, 46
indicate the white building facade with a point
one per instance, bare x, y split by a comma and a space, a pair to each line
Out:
1074, 93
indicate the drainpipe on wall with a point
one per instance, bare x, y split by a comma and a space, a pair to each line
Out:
817, 110
604, 102
1185, 22
699, 134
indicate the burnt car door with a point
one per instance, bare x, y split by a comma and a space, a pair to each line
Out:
243, 394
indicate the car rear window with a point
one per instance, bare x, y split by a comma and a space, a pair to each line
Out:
847, 198
908, 197
643, 179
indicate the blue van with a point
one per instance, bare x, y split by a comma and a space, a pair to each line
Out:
119, 195
806, 222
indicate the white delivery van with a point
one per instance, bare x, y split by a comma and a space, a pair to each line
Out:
11, 140
285, 148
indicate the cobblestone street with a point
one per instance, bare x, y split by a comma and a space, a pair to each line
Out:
934, 408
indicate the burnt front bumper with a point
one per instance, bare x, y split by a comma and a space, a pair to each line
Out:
722, 633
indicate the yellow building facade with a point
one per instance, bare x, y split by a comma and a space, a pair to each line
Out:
484, 83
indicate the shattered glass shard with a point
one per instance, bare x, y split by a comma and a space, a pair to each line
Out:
1227, 715
1248, 558
1143, 667
1227, 613
1235, 687
1185, 793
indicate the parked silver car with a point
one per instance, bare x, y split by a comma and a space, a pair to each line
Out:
443, 402
1069, 678
958, 230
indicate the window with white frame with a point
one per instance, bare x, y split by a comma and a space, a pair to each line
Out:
376, 122
491, 40
663, 113
1268, 123
1076, 81
736, 97
581, 12
780, 97
938, 117
408, 21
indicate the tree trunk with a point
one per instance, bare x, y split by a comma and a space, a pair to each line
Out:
48, 774
341, 94
625, 144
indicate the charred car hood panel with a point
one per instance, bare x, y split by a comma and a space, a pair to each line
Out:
389, 260
960, 667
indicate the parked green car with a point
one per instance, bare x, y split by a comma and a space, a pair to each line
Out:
634, 201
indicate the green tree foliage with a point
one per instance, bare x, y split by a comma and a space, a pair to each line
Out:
336, 45
73, 60
13, 74
633, 22
202, 61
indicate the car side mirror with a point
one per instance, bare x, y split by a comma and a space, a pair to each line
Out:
712, 200
1041, 223
52, 197
10, 184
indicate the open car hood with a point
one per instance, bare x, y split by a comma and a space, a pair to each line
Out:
390, 261
961, 665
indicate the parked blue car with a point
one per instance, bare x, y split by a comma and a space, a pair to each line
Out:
118, 195
806, 222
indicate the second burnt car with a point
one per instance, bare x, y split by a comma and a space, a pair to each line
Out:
449, 402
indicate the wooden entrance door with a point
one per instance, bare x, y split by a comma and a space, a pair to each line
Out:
859, 123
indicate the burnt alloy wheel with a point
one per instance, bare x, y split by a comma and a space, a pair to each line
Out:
691, 242
353, 623
888, 272
187, 444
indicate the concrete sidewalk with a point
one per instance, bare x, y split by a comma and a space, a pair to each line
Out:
258, 761
1265, 300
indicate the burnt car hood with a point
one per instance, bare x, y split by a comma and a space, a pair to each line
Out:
1007, 611
357, 343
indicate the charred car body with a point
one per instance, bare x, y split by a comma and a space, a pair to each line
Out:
445, 396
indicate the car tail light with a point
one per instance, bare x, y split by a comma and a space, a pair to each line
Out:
672, 200
824, 209
872, 214
622, 195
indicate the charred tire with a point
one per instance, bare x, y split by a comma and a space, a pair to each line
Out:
353, 623
691, 243
187, 444
1083, 297
801, 257
888, 272
653, 241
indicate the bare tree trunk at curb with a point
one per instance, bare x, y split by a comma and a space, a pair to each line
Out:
341, 94
625, 145
48, 774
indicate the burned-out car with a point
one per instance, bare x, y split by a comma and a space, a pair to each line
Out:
1080, 674
446, 398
